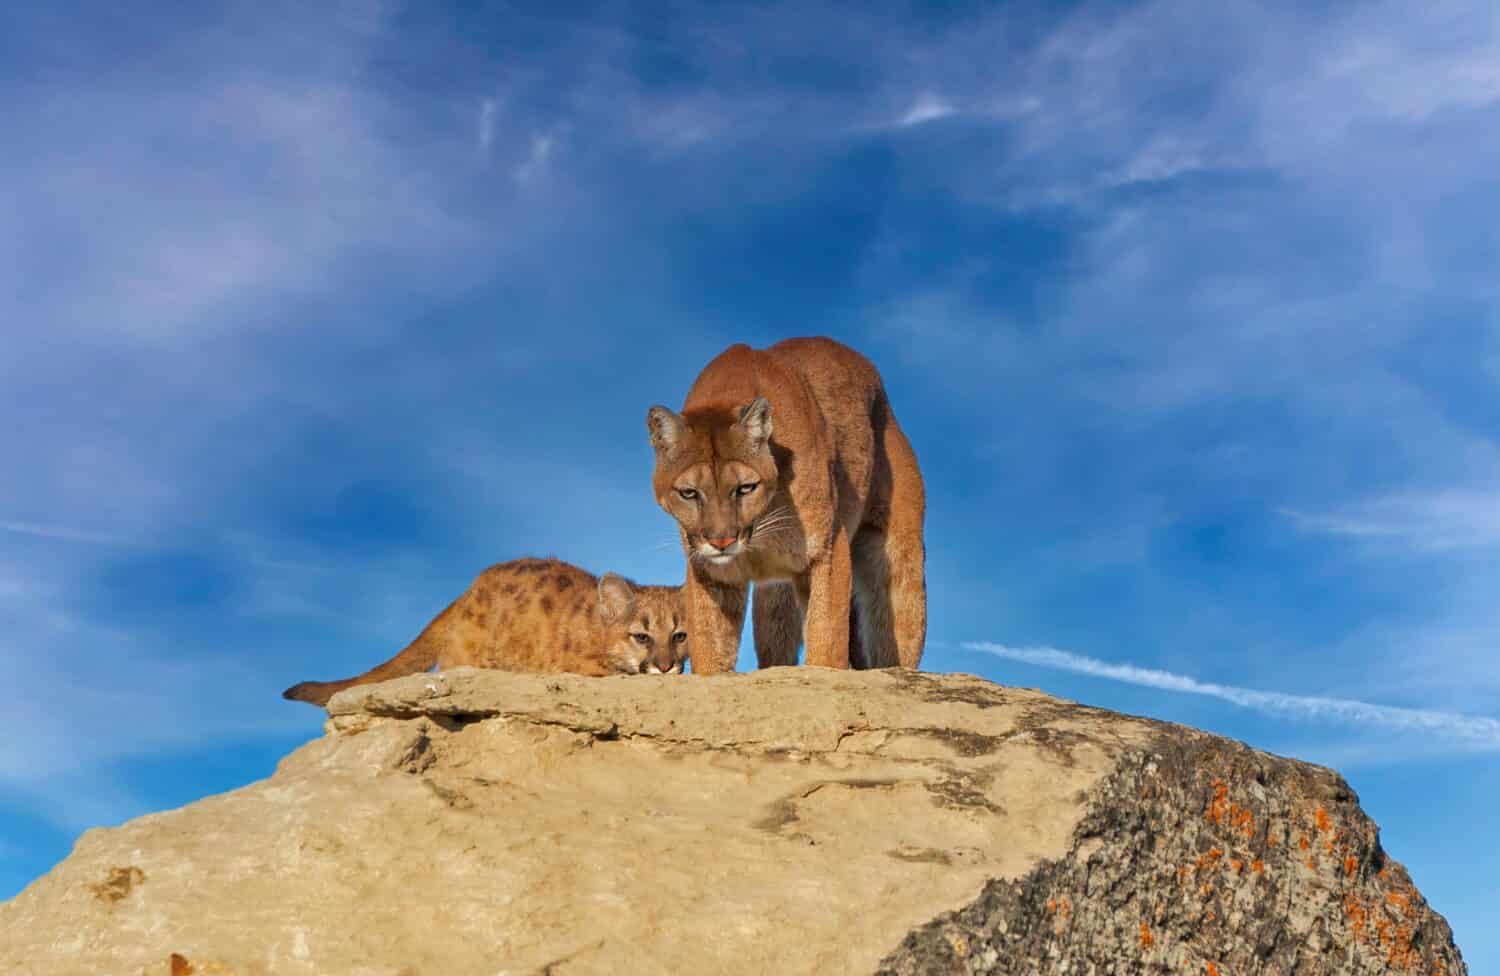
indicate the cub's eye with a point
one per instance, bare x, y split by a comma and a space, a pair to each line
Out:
641, 638
746, 488
679, 637
688, 494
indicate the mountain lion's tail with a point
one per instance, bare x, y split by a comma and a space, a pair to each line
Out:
420, 655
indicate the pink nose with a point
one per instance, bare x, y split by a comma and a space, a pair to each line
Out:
724, 543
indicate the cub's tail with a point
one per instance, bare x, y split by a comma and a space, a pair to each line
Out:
420, 655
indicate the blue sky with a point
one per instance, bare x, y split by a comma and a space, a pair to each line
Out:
313, 310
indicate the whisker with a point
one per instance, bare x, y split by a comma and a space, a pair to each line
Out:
772, 522
769, 529
778, 529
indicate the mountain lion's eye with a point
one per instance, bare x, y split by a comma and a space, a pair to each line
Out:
747, 488
679, 637
688, 494
640, 638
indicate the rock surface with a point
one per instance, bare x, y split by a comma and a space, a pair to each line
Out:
794, 820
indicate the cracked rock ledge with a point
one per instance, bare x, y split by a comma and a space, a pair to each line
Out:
793, 820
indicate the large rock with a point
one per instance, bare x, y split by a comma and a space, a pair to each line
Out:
787, 821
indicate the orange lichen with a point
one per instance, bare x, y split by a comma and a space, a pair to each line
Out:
1322, 819
1237, 865
1399, 901
1213, 970
1351, 864
1214, 853
1303, 843
1219, 805
1242, 820
1357, 916
1258, 866
1147, 939
1402, 953
1052, 905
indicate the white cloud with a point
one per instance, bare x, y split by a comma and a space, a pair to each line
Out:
1439, 521
170, 231
1466, 731
61, 533
176, 207
1391, 64
927, 108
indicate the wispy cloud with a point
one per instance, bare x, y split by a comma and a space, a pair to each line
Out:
61, 533
927, 108
152, 706
1475, 732
1440, 521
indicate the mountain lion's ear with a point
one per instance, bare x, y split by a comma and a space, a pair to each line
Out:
616, 598
666, 429
755, 421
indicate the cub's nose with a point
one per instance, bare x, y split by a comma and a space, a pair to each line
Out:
723, 543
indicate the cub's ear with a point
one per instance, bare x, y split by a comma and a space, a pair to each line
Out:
666, 429
755, 421
616, 598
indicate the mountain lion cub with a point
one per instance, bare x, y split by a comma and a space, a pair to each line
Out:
822, 512
540, 615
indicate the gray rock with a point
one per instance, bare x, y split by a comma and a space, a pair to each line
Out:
1197, 856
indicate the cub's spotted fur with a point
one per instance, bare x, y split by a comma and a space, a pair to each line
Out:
540, 615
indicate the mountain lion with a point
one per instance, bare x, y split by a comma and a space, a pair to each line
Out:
822, 511
540, 615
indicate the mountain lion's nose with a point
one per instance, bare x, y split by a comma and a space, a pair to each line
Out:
723, 543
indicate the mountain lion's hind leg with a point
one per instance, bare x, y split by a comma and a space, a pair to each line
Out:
877, 635
778, 624
905, 550
858, 659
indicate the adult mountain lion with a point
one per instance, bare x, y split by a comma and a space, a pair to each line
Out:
821, 508
540, 615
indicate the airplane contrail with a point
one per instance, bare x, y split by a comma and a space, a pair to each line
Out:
1474, 730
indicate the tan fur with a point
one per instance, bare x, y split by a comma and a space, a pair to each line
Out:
792, 459
540, 615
